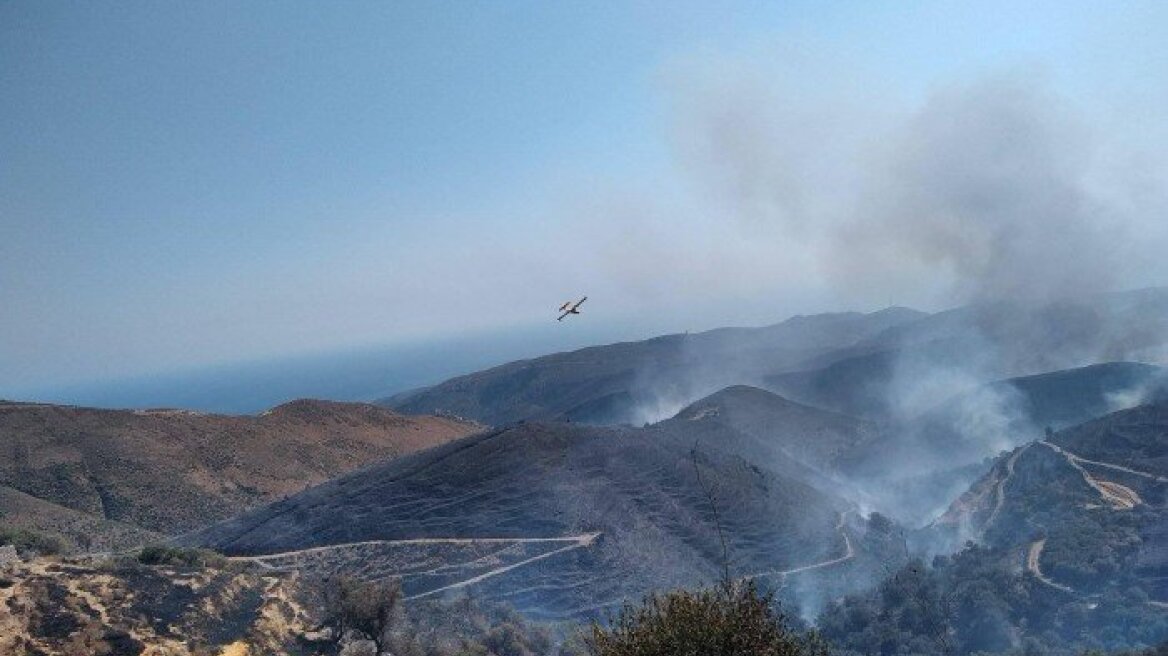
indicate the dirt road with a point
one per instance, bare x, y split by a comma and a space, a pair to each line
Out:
1108, 465
1033, 554
583, 538
288, 559
849, 553
1119, 497
581, 541
1000, 489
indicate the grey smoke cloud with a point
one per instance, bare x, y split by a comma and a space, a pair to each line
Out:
992, 182
995, 188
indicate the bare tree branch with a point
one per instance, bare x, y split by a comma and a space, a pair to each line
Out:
709, 492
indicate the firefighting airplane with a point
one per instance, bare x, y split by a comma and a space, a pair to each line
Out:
570, 308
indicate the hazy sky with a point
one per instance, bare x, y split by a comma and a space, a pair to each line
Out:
194, 183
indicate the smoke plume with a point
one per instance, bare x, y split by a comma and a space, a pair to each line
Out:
991, 183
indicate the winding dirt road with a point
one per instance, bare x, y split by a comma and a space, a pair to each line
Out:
1033, 554
589, 537
573, 542
580, 542
286, 559
1000, 489
849, 553
1108, 465
1119, 497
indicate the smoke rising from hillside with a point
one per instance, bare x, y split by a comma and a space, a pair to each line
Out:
995, 192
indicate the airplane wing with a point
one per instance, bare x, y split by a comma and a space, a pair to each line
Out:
579, 302
563, 315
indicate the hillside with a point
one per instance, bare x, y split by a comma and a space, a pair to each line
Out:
999, 416
816, 438
1135, 438
1027, 337
1088, 501
911, 469
885, 376
126, 607
1057, 551
638, 382
561, 520
168, 471
20, 511
1065, 398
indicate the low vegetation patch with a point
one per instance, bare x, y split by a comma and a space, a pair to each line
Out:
167, 555
32, 542
728, 620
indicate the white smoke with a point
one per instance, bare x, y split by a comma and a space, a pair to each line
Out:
996, 191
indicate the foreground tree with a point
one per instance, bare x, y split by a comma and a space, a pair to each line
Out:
731, 619
370, 609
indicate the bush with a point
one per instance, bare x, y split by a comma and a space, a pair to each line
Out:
371, 609
27, 541
515, 639
729, 620
157, 554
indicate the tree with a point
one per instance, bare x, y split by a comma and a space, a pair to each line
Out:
731, 619
712, 497
371, 609
512, 639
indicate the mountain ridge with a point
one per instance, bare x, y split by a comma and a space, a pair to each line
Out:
641, 381
119, 464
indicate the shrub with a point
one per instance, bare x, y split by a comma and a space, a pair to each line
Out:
516, 639
27, 541
731, 619
157, 554
371, 609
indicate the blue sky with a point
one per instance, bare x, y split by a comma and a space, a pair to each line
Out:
185, 184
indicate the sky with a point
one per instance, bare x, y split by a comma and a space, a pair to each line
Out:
191, 185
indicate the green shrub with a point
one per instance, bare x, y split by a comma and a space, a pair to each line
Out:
516, 639
731, 619
27, 541
157, 554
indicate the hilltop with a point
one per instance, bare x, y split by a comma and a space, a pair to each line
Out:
814, 437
